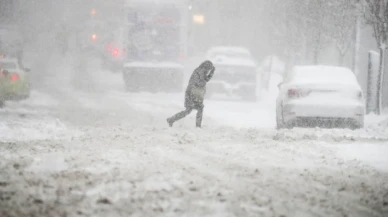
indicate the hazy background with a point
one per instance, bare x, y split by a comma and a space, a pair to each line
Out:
266, 27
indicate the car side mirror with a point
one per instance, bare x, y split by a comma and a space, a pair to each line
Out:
280, 85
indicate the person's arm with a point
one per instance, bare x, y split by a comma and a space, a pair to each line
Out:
210, 75
194, 79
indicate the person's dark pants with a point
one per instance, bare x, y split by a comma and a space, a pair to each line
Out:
186, 112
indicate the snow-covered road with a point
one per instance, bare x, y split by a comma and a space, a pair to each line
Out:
110, 153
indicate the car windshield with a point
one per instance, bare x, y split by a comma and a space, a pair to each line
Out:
8, 65
234, 75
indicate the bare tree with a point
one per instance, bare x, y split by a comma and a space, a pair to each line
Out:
343, 18
286, 28
376, 15
301, 28
317, 18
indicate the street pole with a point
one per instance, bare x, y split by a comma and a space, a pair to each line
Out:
356, 41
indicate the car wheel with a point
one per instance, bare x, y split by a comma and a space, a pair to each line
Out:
279, 120
130, 86
279, 125
357, 126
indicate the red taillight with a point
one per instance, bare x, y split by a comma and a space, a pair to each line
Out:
94, 37
14, 77
115, 52
297, 93
292, 93
182, 57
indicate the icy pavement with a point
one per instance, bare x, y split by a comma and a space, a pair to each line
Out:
110, 153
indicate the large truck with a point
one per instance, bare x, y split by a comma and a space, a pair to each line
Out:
155, 41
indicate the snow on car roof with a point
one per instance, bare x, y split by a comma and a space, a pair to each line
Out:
324, 74
224, 60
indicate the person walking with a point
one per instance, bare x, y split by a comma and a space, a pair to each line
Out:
195, 93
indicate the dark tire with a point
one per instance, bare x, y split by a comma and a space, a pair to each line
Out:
290, 125
132, 88
279, 124
357, 126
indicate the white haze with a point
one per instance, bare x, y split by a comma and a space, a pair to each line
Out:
81, 145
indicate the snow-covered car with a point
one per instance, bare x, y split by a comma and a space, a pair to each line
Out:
236, 73
324, 96
14, 80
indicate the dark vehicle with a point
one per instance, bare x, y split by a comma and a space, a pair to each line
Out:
236, 76
155, 44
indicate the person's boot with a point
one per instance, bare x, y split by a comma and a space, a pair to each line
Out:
170, 122
178, 116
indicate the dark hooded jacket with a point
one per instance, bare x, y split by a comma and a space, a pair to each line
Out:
196, 89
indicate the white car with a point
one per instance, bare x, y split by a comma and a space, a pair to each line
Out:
324, 96
236, 73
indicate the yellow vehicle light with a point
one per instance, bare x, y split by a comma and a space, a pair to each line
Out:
199, 19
